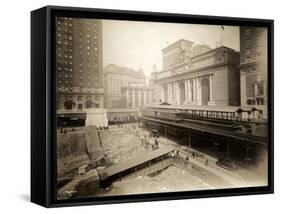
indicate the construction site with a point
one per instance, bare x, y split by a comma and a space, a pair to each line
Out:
134, 158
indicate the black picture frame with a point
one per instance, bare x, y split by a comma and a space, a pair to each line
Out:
43, 103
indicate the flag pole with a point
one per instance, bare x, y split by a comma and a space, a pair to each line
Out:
221, 37
221, 29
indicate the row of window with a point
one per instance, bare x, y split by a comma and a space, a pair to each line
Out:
69, 74
64, 24
68, 43
61, 67
70, 50
65, 75
69, 77
64, 62
65, 30
66, 36
69, 82
64, 50
69, 89
66, 82
257, 101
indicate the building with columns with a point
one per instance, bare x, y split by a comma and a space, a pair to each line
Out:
210, 78
118, 77
136, 96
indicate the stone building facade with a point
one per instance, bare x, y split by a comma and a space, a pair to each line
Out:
209, 78
118, 77
174, 53
136, 96
199, 49
79, 63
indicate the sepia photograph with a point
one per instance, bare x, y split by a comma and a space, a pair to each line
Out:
155, 107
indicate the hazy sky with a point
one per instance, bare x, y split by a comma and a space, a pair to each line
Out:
139, 44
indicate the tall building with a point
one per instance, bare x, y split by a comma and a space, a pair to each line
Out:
79, 63
209, 78
118, 77
253, 67
199, 49
175, 53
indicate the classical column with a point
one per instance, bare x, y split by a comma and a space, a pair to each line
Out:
172, 92
139, 92
169, 92
185, 91
162, 97
167, 95
144, 96
189, 94
175, 92
127, 98
194, 90
178, 93
198, 91
133, 95
211, 87
255, 89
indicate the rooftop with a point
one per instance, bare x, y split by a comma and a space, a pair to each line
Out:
119, 167
122, 70
177, 43
204, 108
